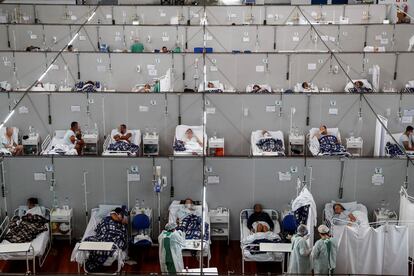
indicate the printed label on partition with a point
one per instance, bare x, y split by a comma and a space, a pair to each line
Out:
134, 177
73, 17
118, 38
295, 38
270, 108
152, 72
7, 63
163, 14
378, 37
23, 110
311, 66
213, 69
26, 18
143, 108
408, 112
101, 68
325, 37
211, 110
333, 111
165, 38
377, 179
82, 38
108, 16
285, 176
246, 39
213, 179
332, 39
260, 68
75, 108
54, 67
33, 36
39, 176
407, 119
384, 41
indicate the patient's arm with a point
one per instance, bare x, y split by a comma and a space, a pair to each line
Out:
406, 145
125, 137
117, 137
199, 141
351, 217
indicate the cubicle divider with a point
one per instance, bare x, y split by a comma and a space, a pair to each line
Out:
216, 15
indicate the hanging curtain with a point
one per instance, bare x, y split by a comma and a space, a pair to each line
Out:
407, 217
367, 250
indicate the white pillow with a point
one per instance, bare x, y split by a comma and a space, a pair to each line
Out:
105, 209
349, 206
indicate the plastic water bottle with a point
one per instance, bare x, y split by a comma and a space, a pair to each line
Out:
142, 205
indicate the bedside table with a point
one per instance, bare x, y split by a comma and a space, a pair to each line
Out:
220, 223
61, 222
296, 145
354, 145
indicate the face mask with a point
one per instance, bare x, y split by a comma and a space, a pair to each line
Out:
188, 205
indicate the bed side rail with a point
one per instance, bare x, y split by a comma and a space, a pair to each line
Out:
106, 143
4, 226
46, 142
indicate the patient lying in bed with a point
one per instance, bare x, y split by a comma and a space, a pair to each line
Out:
359, 87
26, 228
123, 141
259, 221
189, 221
343, 216
190, 142
267, 143
111, 229
258, 89
328, 143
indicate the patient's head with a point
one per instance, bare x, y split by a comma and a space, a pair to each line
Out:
164, 49
188, 203
323, 130
189, 134
122, 129
210, 84
256, 87
117, 215
338, 208
358, 84
409, 130
305, 85
32, 202
9, 131
147, 86
74, 126
258, 208
266, 133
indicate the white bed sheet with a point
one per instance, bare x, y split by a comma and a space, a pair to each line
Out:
256, 135
57, 139
217, 86
198, 131
245, 232
313, 88
135, 138
95, 219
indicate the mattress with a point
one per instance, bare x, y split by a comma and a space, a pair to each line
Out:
135, 138
90, 231
245, 232
256, 135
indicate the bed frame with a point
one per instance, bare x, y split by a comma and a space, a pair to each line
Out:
274, 215
30, 254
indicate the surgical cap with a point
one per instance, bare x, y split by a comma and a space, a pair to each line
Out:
323, 229
170, 226
302, 230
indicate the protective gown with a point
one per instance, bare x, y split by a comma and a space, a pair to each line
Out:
171, 244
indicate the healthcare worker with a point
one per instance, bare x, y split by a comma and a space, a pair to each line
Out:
300, 260
324, 253
171, 243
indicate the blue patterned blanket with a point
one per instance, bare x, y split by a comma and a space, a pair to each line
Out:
329, 145
179, 145
393, 149
89, 86
191, 226
360, 90
107, 230
270, 145
123, 146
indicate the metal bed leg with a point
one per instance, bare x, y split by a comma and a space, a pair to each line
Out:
27, 263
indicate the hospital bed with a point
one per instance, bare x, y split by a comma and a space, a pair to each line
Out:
218, 87
135, 139
80, 255
396, 136
4, 151
350, 85
409, 87
313, 142
359, 211
51, 144
197, 131
313, 88
192, 245
257, 135
38, 248
245, 232
249, 88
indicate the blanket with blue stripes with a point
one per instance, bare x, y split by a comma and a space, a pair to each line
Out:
107, 230
191, 226
328, 144
179, 145
270, 145
393, 149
